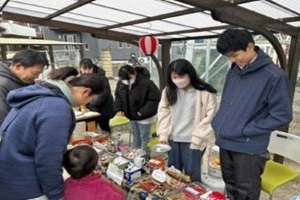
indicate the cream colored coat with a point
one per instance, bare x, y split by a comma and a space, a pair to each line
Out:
202, 131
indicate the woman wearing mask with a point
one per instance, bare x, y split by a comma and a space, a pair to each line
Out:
184, 114
35, 134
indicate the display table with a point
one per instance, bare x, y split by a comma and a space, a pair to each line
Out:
90, 118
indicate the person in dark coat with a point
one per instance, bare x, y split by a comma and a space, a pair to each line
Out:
137, 98
256, 100
104, 103
26, 66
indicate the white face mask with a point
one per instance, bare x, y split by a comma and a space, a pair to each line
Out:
128, 82
181, 83
125, 82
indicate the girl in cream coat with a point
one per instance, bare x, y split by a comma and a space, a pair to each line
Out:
185, 111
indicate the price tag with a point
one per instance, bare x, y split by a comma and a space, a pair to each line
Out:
159, 175
115, 173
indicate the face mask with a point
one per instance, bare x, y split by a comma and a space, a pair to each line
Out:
181, 83
125, 82
131, 81
128, 82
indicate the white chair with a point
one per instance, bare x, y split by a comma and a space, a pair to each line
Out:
276, 174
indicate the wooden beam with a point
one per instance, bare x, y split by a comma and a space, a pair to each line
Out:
158, 17
105, 34
240, 16
3, 5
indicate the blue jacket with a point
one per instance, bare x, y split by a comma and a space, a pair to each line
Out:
255, 101
35, 135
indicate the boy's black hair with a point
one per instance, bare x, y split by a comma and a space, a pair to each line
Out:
125, 71
80, 161
234, 39
87, 63
93, 81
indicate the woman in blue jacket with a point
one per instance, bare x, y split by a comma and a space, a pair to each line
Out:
35, 134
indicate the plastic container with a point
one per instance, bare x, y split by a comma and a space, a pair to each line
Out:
214, 167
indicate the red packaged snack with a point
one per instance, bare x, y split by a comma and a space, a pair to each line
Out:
216, 196
148, 185
84, 141
193, 191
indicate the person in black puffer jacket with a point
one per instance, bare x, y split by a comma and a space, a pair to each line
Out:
137, 98
104, 103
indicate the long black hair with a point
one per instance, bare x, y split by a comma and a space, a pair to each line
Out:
181, 67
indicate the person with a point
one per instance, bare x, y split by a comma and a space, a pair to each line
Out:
105, 103
35, 134
184, 114
137, 98
80, 162
255, 101
64, 73
26, 66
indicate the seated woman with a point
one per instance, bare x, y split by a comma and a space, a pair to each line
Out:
80, 162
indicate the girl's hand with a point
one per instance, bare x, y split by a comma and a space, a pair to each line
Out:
120, 113
163, 142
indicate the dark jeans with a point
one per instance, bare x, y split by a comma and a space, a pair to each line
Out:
185, 159
241, 173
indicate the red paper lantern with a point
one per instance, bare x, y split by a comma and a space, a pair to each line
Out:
148, 45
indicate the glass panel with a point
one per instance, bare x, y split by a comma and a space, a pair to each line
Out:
20, 7
268, 9
149, 7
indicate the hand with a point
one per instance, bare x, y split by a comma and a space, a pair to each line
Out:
163, 142
120, 113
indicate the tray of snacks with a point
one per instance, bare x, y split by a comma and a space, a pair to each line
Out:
132, 153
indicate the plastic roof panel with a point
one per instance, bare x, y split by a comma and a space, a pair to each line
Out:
145, 31
166, 19
149, 8
78, 18
196, 20
106, 13
268, 9
54, 4
291, 4
80, 22
163, 26
195, 34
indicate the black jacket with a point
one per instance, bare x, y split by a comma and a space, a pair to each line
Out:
8, 82
104, 104
143, 97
